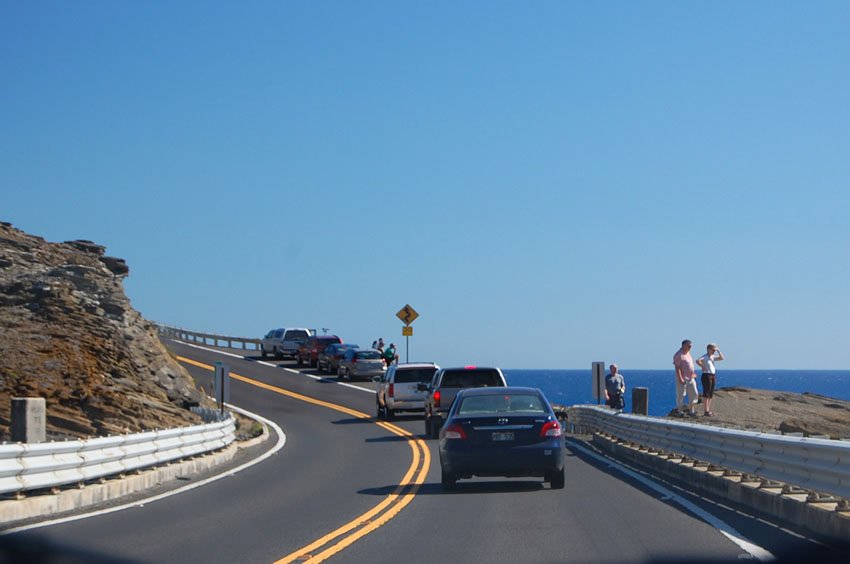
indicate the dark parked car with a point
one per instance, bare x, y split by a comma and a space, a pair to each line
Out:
501, 432
309, 352
328, 359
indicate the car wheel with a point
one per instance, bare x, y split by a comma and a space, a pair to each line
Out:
379, 414
390, 413
558, 479
276, 353
427, 427
263, 352
298, 360
313, 363
448, 479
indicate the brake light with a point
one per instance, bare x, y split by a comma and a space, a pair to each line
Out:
437, 398
550, 429
392, 390
470, 367
454, 431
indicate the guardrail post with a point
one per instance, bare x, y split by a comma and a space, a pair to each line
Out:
640, 401
29, 420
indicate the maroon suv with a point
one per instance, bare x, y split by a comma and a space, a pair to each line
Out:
309, 351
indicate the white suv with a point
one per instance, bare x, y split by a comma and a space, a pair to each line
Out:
399, 389
284, 342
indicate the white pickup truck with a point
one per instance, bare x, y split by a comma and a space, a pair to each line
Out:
283, 343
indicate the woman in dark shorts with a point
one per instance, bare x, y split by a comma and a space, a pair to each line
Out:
709, 375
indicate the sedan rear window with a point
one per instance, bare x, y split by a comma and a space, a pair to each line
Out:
368, 355
508, 403
471, 378
409, 375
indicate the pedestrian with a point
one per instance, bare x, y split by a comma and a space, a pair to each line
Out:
709, 375
380, 345
686, 382
374, 344
615, 389
389, 354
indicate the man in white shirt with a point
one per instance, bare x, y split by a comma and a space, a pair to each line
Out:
709, 375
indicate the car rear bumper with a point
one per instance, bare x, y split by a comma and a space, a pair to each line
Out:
486, 460
405, 404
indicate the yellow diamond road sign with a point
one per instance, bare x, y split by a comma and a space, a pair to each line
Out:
407, 314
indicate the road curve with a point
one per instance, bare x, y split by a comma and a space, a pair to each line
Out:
350, 489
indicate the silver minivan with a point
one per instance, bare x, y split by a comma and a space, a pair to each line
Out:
399, 389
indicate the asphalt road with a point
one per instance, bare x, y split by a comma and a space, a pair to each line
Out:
350, 489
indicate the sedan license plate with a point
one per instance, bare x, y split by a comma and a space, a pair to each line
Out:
503, 436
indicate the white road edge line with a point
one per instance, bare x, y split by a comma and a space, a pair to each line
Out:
722, 527
281, 441
269, 364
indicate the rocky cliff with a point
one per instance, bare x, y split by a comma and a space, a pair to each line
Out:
69, 334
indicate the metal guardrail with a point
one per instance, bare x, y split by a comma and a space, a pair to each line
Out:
819, 465
47, 465
206, 338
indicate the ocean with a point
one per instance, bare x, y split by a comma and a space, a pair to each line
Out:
570, 387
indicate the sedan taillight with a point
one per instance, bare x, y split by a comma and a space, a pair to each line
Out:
454, 431
550, 429
392, 390
437, 398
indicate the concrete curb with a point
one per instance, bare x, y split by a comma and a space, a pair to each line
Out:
820, 518
15, 511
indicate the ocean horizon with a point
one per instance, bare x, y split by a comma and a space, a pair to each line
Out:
575, 386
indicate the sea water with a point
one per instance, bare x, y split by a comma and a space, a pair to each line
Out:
570, 387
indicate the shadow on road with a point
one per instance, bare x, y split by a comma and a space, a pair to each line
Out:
466, 487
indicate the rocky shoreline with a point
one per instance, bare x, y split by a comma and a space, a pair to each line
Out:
778, 412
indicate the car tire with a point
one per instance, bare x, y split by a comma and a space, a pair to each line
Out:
389, 414
313, 363
558, 479
379, 414
263, 352
448, 479
276, 353
427, 427
299, 361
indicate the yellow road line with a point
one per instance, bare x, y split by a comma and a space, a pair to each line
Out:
390, 506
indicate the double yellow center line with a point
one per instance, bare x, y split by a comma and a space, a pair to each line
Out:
346, 535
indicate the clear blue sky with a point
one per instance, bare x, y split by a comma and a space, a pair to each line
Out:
547, 183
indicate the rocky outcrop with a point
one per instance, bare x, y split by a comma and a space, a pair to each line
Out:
779, 412
69, 334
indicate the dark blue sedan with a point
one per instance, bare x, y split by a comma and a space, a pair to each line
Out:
501, 432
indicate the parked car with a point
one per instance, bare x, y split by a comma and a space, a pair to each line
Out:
328, 359
501, 432
445, 385
308, 352
360, 363
399, 390
284, 343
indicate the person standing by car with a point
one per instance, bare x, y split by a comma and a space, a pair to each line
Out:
685, 379
615, 388
380, 345
709, 375
390, 354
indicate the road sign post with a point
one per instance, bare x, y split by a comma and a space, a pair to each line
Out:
407, 315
